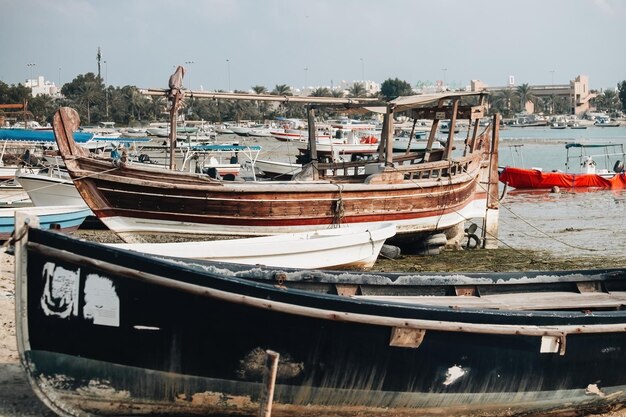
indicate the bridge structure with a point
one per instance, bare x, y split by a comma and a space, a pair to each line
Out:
577, 93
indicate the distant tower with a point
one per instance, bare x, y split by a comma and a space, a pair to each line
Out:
511, 81
98, 57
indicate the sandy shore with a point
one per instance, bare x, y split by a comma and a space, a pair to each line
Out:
16, 396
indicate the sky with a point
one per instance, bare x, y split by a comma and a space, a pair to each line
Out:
237, 44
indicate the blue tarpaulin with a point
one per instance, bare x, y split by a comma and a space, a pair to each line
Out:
28, 135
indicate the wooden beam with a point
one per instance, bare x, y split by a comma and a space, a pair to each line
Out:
450, 143
348, 102
463, 112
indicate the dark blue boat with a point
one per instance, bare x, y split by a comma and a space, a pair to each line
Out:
102, 331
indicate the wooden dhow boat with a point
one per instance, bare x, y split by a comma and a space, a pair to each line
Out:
103, 331
422, 193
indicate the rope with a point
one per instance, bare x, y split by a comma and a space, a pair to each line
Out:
339, 209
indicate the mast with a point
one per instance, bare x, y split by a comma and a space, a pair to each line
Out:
312, 139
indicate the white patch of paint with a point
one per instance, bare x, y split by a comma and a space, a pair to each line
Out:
140, 327
455, 372
592, 389
60, 293
102, 305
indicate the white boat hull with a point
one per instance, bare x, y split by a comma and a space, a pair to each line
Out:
353, 246
45, 190
275, 168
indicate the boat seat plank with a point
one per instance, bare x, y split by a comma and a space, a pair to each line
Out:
517, 301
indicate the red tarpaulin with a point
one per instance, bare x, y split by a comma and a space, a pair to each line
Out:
534, 179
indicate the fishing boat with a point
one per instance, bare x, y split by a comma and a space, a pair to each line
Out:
277, 169
296, 135
49, 186
104, 331
64, 218
421, 193
341, 247
341, 151
589, 175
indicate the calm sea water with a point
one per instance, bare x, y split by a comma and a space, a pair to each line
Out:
567, 224
576, 224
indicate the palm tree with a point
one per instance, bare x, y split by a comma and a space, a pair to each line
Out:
524, 92
357, 90
321, 92
259, 89
337, 93
503, 101
610, 100
282, 90
90, 93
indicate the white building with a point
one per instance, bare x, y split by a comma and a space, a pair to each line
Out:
40, 86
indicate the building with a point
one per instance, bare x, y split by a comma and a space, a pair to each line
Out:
40, 87
577, 92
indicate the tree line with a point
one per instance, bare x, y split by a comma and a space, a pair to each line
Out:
126, 106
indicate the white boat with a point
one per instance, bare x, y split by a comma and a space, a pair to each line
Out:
277, 169
342, 247
241, 130
347, 124
66, 218
296, 135
418, 143
164, 132
50, 186
133, 133
220, 167
606, 122
339, 152
224, 129
7, 172
261, 131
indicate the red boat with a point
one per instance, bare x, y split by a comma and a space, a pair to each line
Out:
590, 176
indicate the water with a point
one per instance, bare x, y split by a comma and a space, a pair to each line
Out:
545, 148
567, 224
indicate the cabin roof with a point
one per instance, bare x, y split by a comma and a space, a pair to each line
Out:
409, 102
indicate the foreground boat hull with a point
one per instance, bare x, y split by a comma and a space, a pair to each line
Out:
103, 331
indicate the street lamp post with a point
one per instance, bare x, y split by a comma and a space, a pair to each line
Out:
306, 73
188, 77
228, 65
106, 89
362, 70
31, 67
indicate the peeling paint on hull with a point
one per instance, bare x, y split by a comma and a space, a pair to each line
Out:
174, 394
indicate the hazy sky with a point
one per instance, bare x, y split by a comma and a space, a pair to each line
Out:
242, 43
